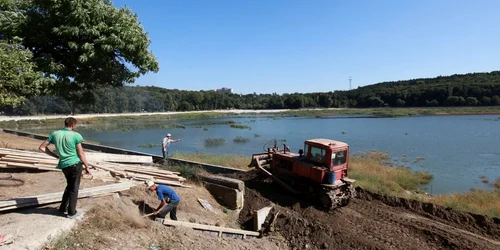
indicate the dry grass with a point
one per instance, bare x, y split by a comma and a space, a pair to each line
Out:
104, 224
233, 161
371, 171
475, 201
497, 183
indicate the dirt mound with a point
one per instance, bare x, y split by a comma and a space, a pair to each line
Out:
472, 222
117, 213
371, 221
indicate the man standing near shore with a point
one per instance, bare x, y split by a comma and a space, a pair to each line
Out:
68, 144
166, 144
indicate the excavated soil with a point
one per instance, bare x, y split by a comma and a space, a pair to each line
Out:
370, 221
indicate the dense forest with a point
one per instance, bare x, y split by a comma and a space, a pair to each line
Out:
457, 90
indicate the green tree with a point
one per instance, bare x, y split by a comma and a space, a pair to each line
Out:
83, 44
495, 100
471, 101
454, 101
18, 78
375, 101
400, 102
432, 103
486, 100
325, 100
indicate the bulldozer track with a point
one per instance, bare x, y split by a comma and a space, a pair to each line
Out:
447, 235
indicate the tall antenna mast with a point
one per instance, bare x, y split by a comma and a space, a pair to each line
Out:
350, 85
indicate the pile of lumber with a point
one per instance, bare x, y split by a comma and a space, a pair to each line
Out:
12, 158
43, 199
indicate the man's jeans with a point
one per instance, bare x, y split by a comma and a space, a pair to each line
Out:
170, 207
73, 175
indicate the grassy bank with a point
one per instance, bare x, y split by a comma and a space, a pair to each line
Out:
168, 121
475, 201
233, 161
397, 112
372, 172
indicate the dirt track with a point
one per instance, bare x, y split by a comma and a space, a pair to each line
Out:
370, 221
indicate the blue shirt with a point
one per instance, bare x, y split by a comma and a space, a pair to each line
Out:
164, 191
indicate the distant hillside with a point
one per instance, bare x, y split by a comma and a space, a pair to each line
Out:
456, 90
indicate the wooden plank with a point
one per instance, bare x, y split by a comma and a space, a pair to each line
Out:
109, 169
28, 166
56, 197
30, 156
210, 228
171, 183
25, 153
96, 156
26, 199
9, 159
167, 178
143, 168
54, 161
152, 170
153, 174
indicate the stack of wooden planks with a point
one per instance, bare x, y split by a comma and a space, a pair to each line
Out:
56, 197
12, 158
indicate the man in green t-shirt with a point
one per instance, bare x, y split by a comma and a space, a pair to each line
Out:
69, 151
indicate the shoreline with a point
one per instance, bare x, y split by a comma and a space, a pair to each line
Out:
377, 112
84, 116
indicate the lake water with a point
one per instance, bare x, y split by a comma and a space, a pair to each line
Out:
457, 150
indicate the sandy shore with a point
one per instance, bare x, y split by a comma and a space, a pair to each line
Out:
236, 111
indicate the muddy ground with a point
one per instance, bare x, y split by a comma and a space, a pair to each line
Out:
370, 221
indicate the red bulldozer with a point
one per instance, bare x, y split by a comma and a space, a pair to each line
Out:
320, 169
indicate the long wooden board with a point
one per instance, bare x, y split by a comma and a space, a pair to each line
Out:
167, 178
170, 183
38, 154
153, 174
56, 197
219, 230
29, 166
25, 199
27, 159
123, 174
96, 156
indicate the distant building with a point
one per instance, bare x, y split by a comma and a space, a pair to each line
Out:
225, 90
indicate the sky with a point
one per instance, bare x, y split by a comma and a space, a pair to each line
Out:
288, 46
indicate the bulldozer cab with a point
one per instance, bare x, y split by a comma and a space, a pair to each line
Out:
326, 153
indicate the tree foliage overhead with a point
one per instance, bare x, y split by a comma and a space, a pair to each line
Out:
18, 77
82, 44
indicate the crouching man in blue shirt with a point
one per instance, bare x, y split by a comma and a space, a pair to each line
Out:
165, 195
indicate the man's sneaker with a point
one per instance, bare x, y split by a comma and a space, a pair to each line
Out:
73, 216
